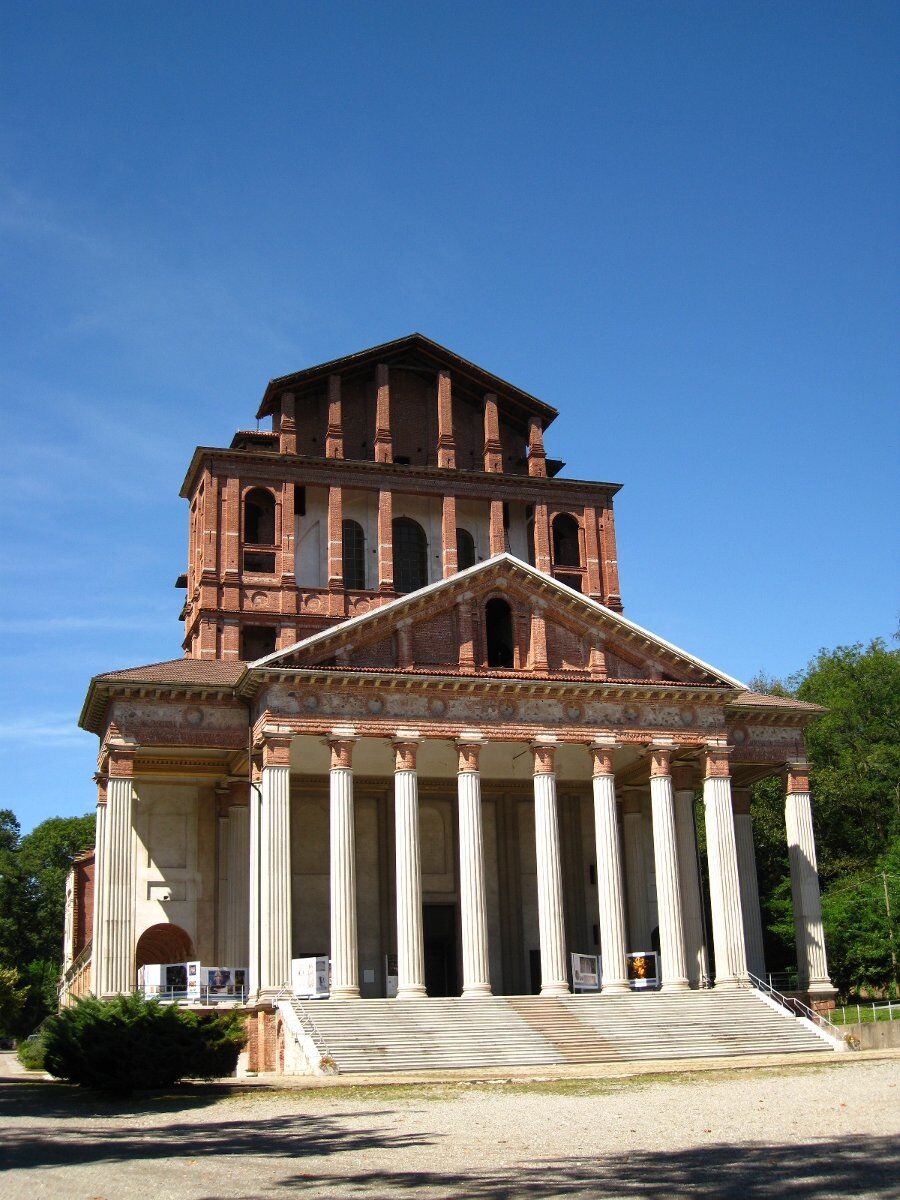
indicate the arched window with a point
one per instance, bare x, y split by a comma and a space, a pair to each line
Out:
259, 518
566, 550
410, 555
465, 549
498, 628
354, 555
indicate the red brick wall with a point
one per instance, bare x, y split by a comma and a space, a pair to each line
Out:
566, 651
435, 641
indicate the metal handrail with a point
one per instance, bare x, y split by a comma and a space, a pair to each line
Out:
792, 1003
306, 1019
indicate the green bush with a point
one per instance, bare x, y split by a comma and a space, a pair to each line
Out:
127, 1043
31, 1052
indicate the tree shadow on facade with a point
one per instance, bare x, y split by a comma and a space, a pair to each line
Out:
852, 1166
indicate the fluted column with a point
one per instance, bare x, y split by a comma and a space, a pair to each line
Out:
113, 950
344, 946
473, 902
609, 870
724, 884
635, 871
551, 915
746, 856
812, 965
410, 944
673, 967
236, 927
275, 865
695, 954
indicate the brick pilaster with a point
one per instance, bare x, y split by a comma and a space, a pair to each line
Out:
384, 446
385, 542
537, 458
287, 426
493, 450
448, 536
334, 434
497, 534
446, 440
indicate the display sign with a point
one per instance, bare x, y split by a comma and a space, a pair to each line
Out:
163, 979
585, 972
192, 981
643, 970
310, 977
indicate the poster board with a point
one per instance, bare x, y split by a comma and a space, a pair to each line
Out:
310, 977
643, 970
585, 973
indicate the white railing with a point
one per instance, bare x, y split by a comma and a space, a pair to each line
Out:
795, 1006
891, 1007
205, 996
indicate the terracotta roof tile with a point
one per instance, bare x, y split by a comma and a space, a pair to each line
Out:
764, 700
211, 671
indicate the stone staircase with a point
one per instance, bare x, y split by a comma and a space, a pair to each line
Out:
516, 1031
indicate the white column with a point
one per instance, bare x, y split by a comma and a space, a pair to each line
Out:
688, 872
812, 965
746, 856
551, 915
98, 930
724, 884
275, 867
673, 968
113, 951
254, 898
236, 947
635, 871
344, 947
410, 945
609, 870
473, 903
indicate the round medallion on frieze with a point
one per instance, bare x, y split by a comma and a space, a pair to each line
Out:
687, 716
193, 716
630, 715
738, 735
375, 705
312, 603
508, 709
437, 707
310, 703
574, 712
260, 599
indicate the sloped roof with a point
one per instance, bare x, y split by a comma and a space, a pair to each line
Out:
422, 347
210, 671
764, 700
507, 565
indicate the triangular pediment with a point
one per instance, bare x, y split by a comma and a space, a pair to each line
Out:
548, 630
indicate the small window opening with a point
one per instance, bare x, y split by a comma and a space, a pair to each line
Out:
299, 501
410, 555
465, 549
354, 555
259, 562
566, 548
499, 633
259, 518
256, 642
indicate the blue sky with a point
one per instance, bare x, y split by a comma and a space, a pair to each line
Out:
675, 222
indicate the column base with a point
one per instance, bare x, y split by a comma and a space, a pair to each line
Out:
730, 982
675, 985
414, 992
477, 989
345, 993
555, 989
615, 987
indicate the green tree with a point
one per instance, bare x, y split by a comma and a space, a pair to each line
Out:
12, 1000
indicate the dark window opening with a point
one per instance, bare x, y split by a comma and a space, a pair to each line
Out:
256, 642
402, 460
465, 549
354, 555
410, 555
259, 518
566, 549
498, 626
572, 581
299, 501
259, 562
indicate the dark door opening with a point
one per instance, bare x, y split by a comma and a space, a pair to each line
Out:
439, 930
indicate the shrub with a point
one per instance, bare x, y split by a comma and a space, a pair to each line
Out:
128, 1042
31, 1051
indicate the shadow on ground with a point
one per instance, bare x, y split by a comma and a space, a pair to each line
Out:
854, 1167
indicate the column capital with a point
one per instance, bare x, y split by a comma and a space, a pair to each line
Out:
797, 775
468, 749
684, 776
275, 746
661, 760
405, 750
341, 746
544, 754
717, 765
601, 750
120, 755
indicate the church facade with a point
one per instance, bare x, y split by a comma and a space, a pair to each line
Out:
412, 729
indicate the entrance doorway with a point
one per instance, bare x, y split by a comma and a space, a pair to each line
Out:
439, 931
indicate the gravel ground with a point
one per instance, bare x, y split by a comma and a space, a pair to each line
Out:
803, 1131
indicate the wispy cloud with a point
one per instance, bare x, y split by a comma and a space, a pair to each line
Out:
41, 728
74, 624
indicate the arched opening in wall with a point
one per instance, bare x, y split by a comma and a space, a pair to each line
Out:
465, 549
566, 547
354, 555
498, 628
410, 555
256, 642
163, 943
259, 517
